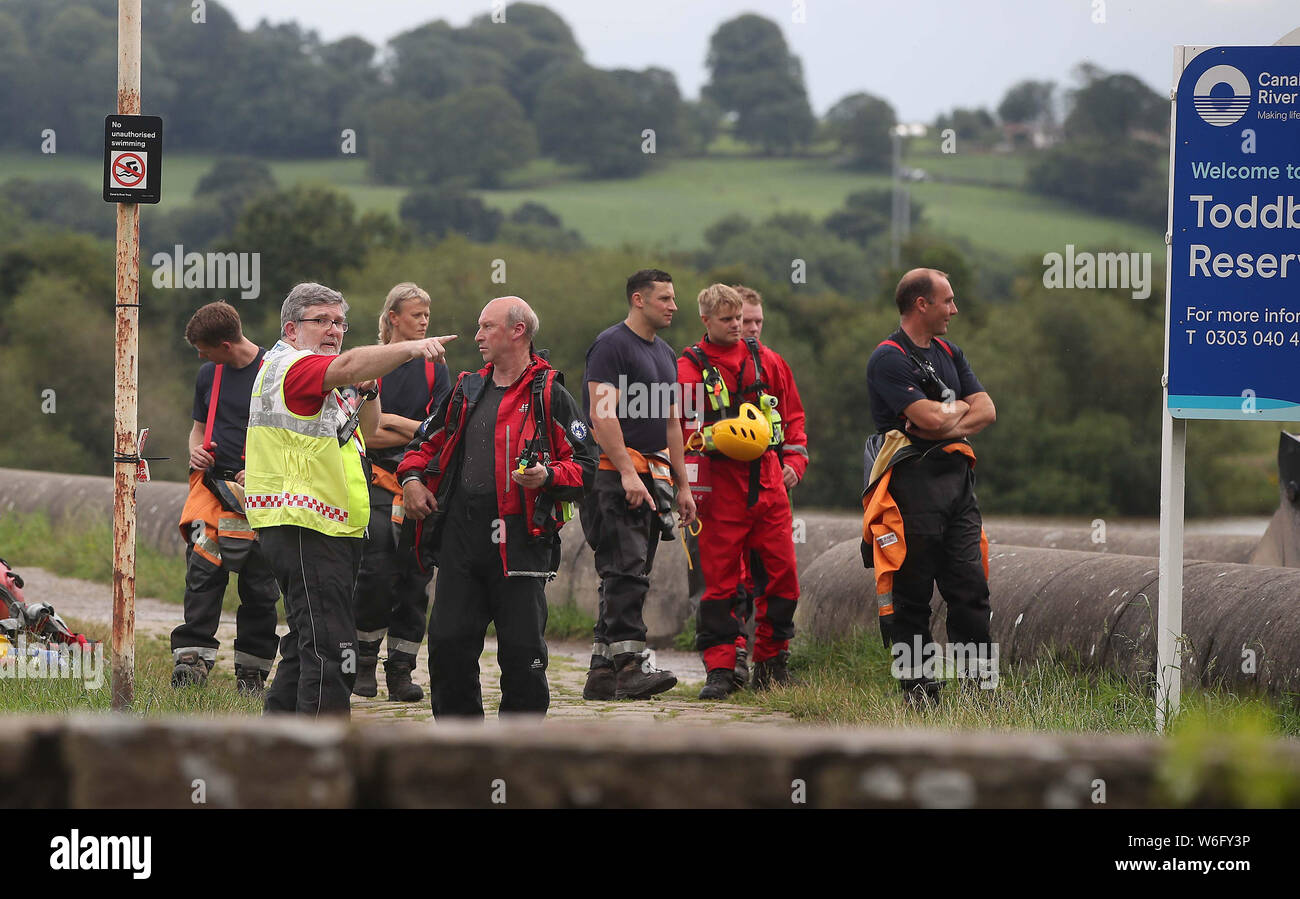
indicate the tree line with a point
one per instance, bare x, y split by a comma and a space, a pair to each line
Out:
1075, 374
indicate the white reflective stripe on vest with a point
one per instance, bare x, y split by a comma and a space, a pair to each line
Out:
297, 474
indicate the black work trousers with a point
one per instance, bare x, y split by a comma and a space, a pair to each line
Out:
473, 590
205, 588
941, 524
392, 594
317, 575
623, 540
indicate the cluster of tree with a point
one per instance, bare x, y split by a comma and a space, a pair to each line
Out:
860, 124
842, 252
1113, 158
435, 212
436, 103
305, 232
56, 355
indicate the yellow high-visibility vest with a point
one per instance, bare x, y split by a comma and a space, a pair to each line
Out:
295, 472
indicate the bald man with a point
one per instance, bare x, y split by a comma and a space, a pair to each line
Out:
497, 465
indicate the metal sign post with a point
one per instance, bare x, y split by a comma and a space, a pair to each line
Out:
125, 376
1232, 329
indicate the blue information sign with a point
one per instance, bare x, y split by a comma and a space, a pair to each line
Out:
1234, 329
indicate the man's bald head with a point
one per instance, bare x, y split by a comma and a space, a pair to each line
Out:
512, 311
506, 329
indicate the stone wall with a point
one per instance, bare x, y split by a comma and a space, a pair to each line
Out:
109, 761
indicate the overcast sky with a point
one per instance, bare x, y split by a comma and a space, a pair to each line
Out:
924, 56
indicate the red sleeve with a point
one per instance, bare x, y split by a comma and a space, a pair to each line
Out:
432, 434
304, 384
417, 460
795, 449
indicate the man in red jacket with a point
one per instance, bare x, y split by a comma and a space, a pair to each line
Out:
748, 509
497, 463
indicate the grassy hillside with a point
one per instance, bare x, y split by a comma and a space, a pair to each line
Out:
672, 205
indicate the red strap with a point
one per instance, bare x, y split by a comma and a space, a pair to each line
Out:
431, 378
947, 349
212, 408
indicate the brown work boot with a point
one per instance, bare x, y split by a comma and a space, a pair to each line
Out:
189, 670
602, 683
250, 680
638, 678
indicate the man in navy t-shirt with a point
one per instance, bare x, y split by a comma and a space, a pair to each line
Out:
218, 539
631, 397
922, 385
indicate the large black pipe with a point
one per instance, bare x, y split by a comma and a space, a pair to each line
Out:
1241, 623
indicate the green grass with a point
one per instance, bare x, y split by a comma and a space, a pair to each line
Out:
984, 166
153, 692
670, 206
685, 641
568, 622
848, 683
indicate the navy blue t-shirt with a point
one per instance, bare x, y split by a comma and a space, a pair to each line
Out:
645, 373
405, 391
231, 426
894, 381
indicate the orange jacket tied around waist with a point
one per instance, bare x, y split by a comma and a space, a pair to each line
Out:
216, 533
882, 523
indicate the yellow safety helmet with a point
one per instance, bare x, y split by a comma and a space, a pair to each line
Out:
744, 437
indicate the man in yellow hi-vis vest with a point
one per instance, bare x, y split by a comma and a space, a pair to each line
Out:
306, 490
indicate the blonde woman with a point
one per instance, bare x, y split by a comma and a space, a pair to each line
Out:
391, 593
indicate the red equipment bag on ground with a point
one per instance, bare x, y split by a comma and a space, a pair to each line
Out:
37, 620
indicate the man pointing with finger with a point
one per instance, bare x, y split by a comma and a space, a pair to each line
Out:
306, 488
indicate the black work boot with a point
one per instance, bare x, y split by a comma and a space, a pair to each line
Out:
636, 676
742, 668
773, 672
921, 694
721, 683
250, 681
397, 675
189, 671
602, 683
366, 685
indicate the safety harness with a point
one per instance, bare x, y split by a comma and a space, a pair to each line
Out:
548, 516
931, 383
721, 406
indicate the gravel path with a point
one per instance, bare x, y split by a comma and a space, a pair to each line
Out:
88, 601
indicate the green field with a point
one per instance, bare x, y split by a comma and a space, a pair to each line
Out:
986, 167
672, 205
